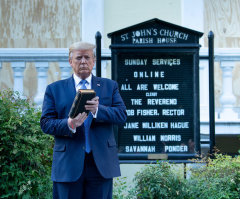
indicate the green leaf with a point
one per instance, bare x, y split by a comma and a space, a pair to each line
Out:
24, 173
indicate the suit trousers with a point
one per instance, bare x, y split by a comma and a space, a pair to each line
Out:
91, 185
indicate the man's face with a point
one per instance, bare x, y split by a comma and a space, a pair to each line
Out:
82, 62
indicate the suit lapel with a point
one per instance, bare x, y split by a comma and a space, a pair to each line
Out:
96, 85
70, 89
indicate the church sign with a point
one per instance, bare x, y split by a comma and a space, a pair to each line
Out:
156, 65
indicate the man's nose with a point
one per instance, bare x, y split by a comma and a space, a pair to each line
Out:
83, 60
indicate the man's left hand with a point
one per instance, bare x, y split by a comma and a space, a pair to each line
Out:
92, 105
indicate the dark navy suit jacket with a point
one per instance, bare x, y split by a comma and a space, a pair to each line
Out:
69, 148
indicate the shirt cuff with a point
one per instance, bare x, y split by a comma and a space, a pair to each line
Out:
95, 115
72, 130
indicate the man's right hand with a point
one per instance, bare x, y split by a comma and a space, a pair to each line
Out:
77, 121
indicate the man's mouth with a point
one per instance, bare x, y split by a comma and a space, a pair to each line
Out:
83, 68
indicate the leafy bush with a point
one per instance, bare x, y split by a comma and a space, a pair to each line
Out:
158, 181
25, 152
120, 188
220, 179
217, 178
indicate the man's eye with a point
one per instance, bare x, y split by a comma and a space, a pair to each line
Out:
87, 58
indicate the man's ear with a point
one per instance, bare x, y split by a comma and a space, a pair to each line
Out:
70, 61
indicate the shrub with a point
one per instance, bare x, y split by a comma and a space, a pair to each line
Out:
25, 152
159, 181
220, 179
120, 188
217, 178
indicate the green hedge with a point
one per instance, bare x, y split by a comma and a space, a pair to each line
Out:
159, 181
25, 151
218, 179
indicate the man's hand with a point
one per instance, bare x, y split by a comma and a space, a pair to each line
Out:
92, 105
77, 121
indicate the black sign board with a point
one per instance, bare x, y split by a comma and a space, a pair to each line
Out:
156, 65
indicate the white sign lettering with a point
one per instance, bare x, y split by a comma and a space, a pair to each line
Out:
179, 125
161, 101
131, 149
170, 138
154, 125
169, 62
136, 62
142, 40
131, 125
151, 94
126, 87
178, 148
162, 87
130, 112
136, 101
148, 74
147, 112
173, 112
144, 138
143, 87
148, 35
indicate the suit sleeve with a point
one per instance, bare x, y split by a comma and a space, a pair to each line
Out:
50, 123
116, 113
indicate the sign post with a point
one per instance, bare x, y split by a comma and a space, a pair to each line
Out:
156, 65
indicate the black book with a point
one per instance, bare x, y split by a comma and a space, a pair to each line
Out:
80, 100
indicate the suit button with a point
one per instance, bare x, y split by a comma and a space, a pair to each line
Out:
83, 148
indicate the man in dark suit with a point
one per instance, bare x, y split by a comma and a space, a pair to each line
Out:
85, 154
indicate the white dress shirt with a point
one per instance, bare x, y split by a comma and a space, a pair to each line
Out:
78, 79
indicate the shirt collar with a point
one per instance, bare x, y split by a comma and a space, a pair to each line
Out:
78, 79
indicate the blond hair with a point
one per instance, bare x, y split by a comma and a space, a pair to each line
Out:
81, 46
